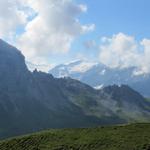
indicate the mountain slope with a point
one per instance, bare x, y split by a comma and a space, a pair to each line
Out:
129, 137
98, 75
110, 103
33, 101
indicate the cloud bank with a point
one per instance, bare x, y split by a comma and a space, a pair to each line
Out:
123, 51
11, 17
53, 29
47, 26
41, 28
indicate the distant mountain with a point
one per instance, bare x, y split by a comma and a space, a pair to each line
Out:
98, 75
109, 103
32, 101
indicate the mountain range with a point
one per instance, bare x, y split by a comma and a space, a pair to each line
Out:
33, 101
99, 75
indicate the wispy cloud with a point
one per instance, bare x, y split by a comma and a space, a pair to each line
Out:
122, 51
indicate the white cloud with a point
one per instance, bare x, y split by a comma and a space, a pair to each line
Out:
47, 26
10, 17
54, 28
145, 58
40, 66
121, 51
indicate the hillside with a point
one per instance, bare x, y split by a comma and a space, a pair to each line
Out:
129, 137
98, 75
34, 101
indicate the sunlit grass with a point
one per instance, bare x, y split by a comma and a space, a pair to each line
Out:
130, 137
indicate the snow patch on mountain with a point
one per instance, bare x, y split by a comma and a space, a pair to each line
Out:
96, 74
82, 67
99, 87
103, 72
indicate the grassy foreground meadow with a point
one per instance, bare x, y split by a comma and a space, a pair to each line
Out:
125, 137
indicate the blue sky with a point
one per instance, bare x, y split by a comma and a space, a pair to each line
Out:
111, 17
54, 36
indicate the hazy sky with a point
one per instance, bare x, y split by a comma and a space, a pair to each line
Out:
114, 32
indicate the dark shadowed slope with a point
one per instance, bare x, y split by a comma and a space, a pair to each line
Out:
35, 101
32, 101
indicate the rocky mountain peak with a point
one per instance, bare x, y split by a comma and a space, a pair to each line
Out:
11, 58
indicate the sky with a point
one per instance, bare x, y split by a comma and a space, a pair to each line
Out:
49, 32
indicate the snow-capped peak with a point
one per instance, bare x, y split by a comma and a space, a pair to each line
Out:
99, 87
82, 66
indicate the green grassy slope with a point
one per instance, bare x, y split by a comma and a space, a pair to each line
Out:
130, 137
